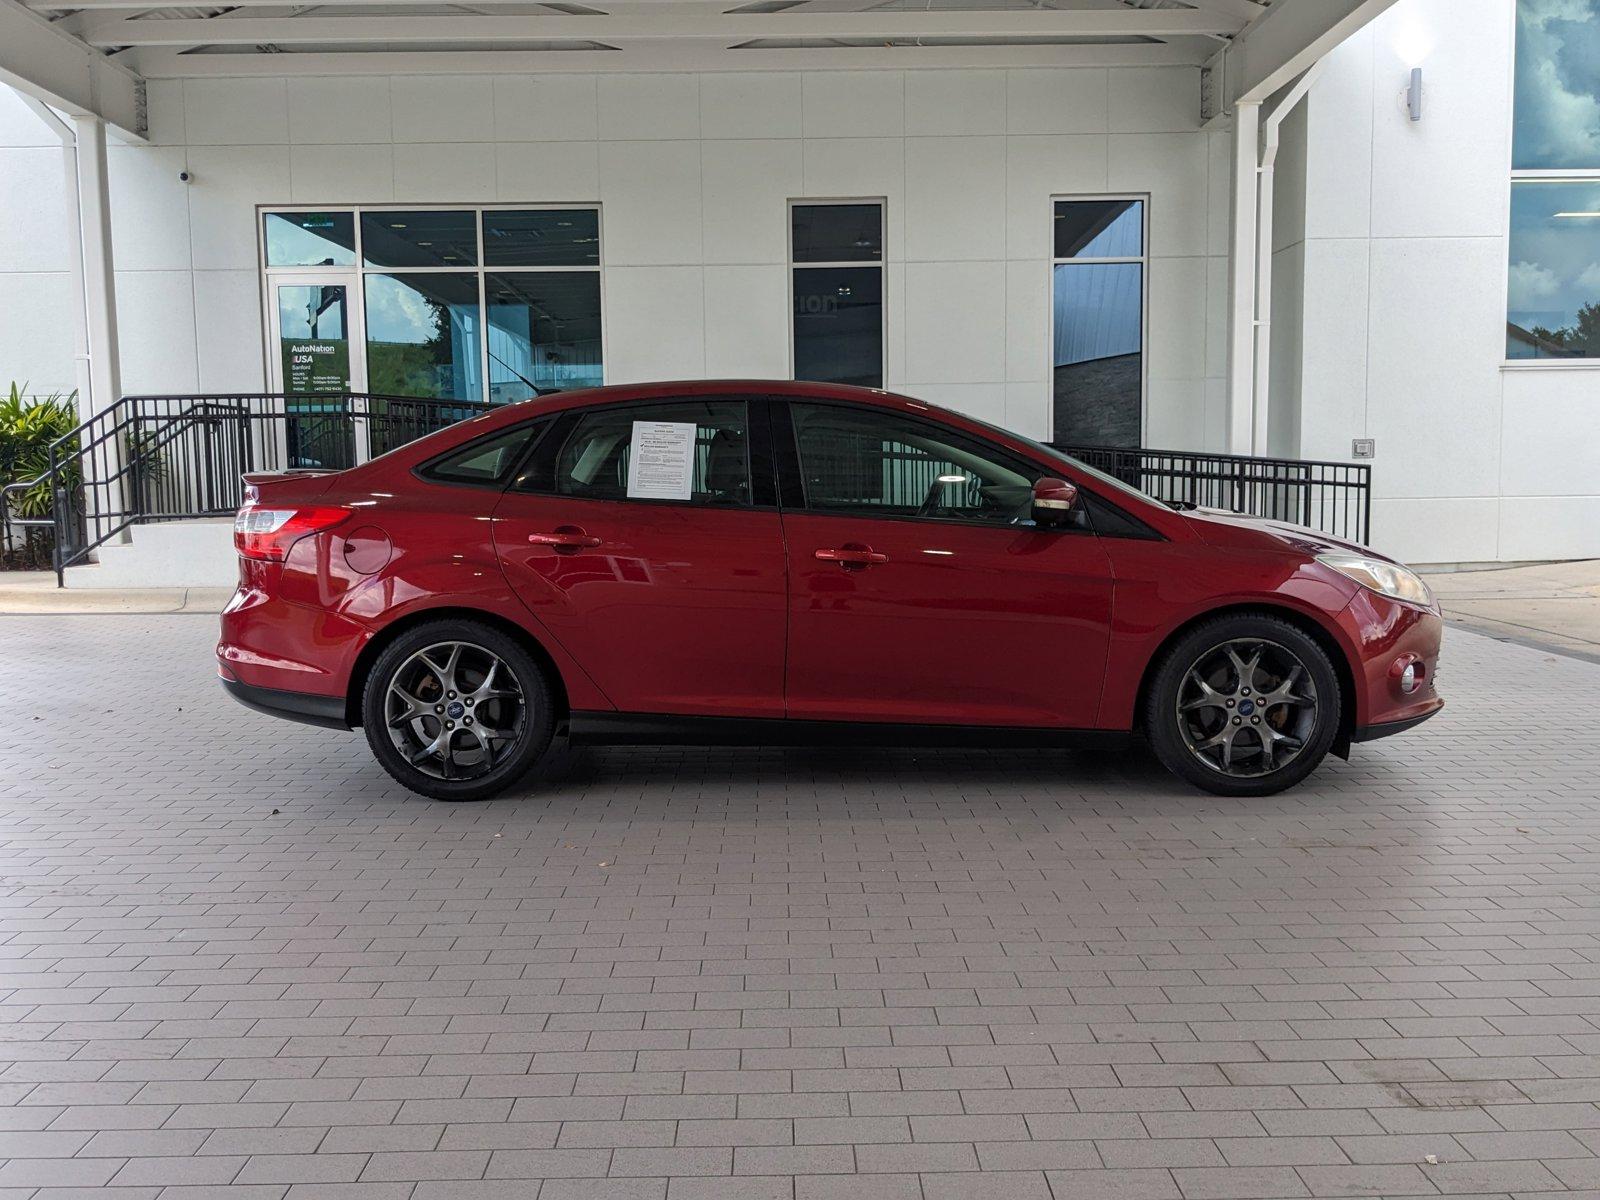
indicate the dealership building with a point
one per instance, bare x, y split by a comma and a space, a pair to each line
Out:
1348, 231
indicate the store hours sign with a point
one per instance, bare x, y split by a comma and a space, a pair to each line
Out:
312, 366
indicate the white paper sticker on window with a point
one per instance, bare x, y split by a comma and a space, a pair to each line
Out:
661, 460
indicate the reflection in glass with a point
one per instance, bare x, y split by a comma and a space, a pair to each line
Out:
1099, 228
837, 232
424, 238
544, 333
838, 325
1098, 359
422, 336
305, 239
1553, 296
1556, 121
542, 238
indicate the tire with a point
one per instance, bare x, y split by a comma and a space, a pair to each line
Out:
433, 695
1249, 724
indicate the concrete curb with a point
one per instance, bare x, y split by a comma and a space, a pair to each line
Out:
36, 594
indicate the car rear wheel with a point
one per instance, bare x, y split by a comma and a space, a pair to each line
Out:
456, 710
1243, 705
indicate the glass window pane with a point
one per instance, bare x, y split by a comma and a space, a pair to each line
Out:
838, 325
422, 336
1099, 228
310, 239
546, 238
1099, 353
544, 333
1553, 302
837, 232
424, 238
594, 462
487, 462
1556, 122
884, 464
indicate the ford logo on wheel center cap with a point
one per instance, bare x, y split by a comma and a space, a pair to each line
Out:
1247, 707
455, 710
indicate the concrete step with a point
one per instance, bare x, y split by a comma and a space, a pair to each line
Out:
171, 554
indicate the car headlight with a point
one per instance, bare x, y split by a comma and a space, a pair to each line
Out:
1385, 578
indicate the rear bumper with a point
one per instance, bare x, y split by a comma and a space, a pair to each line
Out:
308, 709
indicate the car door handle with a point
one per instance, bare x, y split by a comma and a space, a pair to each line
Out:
852, 556
566, 538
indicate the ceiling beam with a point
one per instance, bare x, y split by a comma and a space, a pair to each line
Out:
655, 26
51, 65
168, 63
1292, 35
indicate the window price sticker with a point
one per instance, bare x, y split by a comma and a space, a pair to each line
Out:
661, 461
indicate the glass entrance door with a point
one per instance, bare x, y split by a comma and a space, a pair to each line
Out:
315, 367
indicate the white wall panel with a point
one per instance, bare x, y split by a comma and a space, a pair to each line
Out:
955, 193
33, 227
1444, 529
750, 105
341, 174
228, 183
433, 171
155, 317
746, 189
1039, 168
947, 103
636, 107
441, 108
1065, 101
1028, 318
548, 172
1154, 100
352, 108
651, 192
149, 208
1174, 169
36, 332
655, 323
235, 112
546, 108
230, 352
955, 322
853, 104
747, 322
1545, 409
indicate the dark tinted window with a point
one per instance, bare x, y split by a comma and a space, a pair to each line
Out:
488, 462
541, 238
829, 233
873, 462
544, 333
838, 325
1099, 228
691, 451
424, 238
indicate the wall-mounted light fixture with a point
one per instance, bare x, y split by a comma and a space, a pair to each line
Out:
1414, 94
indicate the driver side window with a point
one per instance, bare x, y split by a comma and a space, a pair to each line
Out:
883, 464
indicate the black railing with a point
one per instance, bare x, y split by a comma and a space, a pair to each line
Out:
1333, 497
174, 458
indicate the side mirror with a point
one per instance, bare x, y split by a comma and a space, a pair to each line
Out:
1053, 501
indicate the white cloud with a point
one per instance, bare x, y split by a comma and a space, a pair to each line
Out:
1531, 283
1591, 277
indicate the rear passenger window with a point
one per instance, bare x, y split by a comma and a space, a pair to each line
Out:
689, 451
487, 462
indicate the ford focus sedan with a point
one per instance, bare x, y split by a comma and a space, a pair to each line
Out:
781, 563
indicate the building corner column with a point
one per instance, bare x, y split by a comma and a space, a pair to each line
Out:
1242, 245
99, 272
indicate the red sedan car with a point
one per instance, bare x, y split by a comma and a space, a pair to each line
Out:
759, 562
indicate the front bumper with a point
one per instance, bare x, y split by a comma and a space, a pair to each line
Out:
1371, 733
326, 711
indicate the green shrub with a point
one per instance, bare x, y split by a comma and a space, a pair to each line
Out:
28, 425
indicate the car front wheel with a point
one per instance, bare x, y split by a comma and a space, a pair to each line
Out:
1243, 705
456, 710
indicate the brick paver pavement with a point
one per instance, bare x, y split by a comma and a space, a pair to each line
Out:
238, 962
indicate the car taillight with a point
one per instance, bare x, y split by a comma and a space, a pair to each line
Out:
267, 533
